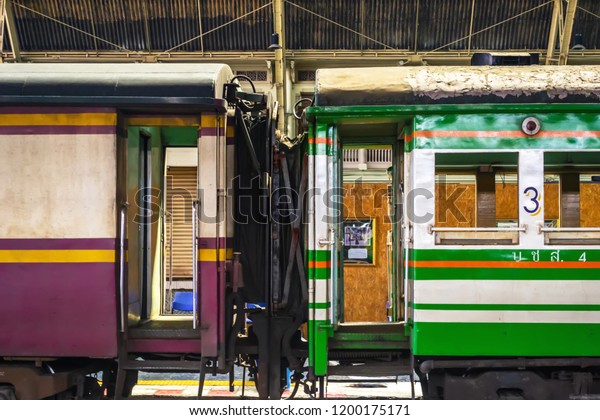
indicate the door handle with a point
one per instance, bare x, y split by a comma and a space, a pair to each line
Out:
329, 241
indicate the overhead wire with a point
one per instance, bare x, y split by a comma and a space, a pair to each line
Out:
502, 22
203, 34
60, 22
340, 25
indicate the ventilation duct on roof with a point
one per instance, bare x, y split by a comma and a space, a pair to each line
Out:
505, 59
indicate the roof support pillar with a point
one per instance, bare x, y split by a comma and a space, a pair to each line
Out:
12, 29
555, 26
2, 14
567, 31
561, 27
280, 67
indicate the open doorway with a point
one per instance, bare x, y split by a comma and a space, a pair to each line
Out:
181, 174
161, 180
370, 233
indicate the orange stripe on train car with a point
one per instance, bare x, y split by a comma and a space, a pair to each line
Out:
319, 264
320, 140
505, 134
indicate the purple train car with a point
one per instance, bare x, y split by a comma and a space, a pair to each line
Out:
116, 195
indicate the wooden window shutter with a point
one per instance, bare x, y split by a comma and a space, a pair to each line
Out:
181, 191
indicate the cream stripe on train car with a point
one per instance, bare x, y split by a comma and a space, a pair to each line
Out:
68, 193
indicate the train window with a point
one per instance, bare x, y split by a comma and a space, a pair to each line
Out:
476, 199
572, 201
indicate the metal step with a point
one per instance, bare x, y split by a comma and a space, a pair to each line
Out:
371, 369
163, 365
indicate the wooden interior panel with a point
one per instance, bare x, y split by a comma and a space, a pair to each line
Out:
551, 201
507, 196
590, 205
365, 287
455, 205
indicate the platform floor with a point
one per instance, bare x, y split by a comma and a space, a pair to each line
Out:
156, 389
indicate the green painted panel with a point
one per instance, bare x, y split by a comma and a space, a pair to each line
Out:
504, 307
504, 339
317, 349
319, 273
180, 136
477, 159
572, 158
473, 131
317, 149
545, 255
409, 129
453, 273
507, 143
337, 114
499, 121
319, 305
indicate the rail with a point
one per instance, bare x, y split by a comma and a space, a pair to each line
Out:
124, 311
195, 264
169, 221
431, 229
542, 229
406, 239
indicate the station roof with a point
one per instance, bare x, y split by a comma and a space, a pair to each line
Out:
162, 29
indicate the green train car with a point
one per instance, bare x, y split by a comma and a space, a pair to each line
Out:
494, 228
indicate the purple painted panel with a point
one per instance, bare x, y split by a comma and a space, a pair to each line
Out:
58, 310
55, 110
211, 243
209, 307
212, 131
164, 345
58, 243
57, 129
160, 115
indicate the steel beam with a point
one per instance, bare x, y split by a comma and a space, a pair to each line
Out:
304, 59
2, 14
555, 25
12, 30
565, 41
280, 67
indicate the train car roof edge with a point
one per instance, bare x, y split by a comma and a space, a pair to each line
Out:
123, 84
457, 85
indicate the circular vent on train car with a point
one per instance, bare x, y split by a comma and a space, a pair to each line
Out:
531, 126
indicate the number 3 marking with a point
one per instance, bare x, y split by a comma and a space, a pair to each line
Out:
535, 200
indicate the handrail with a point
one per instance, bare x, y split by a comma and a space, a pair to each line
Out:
123, 218
169, 220
431, 229
332, 255
406, 240
195, 264
568, 229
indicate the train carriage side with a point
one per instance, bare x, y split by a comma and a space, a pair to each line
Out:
497, 253
85, 272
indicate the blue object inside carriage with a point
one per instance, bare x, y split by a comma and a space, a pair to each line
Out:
183, 301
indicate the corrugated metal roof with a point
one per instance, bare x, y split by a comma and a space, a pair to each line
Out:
141, 25
159, 25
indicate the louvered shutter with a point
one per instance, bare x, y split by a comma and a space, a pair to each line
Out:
181, 191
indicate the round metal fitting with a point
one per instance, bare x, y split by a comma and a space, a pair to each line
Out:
531, 126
